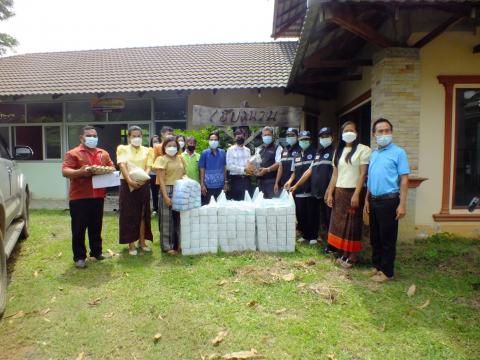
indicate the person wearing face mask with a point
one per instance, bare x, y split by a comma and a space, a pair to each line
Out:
134, 196
181, 143
170, 168
386, 199
238, 157
212, 169
346, 194
307, 220
153, 178
191, 158
288, 154
85, 202
270, 153
320, 173
164, 133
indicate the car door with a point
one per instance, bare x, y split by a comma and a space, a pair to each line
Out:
6, 174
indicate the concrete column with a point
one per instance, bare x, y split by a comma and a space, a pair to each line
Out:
396, 97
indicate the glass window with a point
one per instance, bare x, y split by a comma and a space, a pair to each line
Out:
53, 143
73, 134
171, 109
467, 151
135, 110
81, 111
12, 113
30, 136
44, 113
145, 134
181, 125
5, 137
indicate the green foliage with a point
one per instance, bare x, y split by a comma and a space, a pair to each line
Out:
201, 135
6, 41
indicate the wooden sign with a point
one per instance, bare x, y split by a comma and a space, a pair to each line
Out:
282, 116
107, 104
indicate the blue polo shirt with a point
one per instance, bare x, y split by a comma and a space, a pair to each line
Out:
214, 165
386, 167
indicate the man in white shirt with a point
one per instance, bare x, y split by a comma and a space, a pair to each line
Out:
238, 156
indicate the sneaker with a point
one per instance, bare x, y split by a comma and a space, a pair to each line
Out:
313, 242
133, 252
146, 248
347, 264
80, 264
380, 277
370, 272
340, 260
301, 240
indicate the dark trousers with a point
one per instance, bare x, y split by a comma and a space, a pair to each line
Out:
154, 189
307, 217
266, 186
238, 185
211, 192
86, 214
383, 234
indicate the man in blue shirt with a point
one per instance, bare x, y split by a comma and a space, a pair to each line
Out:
212, 169
386, 200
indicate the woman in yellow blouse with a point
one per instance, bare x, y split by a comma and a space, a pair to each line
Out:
134, 196
170, 168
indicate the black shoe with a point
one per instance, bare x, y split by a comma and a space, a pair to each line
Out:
100, 257
80, 264
328, 250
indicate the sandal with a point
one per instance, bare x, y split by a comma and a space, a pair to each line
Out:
341, 260
347, 264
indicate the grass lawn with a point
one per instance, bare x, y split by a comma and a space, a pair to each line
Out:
114, 308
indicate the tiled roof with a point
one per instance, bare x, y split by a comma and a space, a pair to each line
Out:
183, 67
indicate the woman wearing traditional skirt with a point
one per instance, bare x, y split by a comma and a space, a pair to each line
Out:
134, 205
170, 167
346, 194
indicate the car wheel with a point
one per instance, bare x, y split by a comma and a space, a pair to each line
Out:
26, 217
3, 277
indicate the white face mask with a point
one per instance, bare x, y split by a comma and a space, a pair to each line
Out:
136, 141
325, 142
349, 137
384, 140
171, 150
181, 144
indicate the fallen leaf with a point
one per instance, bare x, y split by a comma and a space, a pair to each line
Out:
95, 302
223, 282
47, 320
221, 335
80, 356
411, 290
18, 315
281, 311
289, 277
59, 254
252, 354
35, 273
53, 299
331, 356
46, 311
109, 315
252, 303
301, 285
425, 304
157, 338
60, 288
310, 262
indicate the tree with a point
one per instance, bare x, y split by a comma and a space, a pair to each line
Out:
6, 41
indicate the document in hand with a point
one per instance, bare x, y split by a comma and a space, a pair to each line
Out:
106, 180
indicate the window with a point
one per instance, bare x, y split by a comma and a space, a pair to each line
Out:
467, 149
5, 137
53, 143
135, 110
12, 113
81, 111
171, 109
30, 136
182, 125
44, 113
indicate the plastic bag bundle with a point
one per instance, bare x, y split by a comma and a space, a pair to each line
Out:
186, 195
137, 174
198, 230
275, 223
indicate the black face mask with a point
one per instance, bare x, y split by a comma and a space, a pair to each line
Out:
240, 141
191, 148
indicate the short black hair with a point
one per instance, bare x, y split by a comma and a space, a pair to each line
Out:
86, 128
214, 133
166, 129
381, 120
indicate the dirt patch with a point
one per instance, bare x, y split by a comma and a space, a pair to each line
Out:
264, 275
19, 352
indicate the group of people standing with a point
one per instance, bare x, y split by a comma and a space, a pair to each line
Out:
333, 185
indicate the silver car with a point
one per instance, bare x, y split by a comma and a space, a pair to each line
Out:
14, 201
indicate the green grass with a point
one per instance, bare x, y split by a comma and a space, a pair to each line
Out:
183, 299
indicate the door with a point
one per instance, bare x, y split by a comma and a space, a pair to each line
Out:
6, 172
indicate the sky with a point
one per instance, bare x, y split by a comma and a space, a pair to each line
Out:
63, 25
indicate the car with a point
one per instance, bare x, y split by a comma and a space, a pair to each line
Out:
14, 208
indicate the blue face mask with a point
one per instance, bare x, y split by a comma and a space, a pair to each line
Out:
304, 144
213, 144
384, 140
91, 142
267, 140
291, 140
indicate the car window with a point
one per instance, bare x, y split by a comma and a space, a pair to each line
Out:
3, 149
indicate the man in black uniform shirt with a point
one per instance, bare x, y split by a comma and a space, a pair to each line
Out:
307, 223
270, 153
319, 174
289, 152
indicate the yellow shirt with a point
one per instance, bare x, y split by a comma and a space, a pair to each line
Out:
348, 173
174, 168
141, 157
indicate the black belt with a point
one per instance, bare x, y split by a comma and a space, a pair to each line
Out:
239, 176
388, 196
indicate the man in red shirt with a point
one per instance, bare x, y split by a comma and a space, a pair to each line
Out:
86, 203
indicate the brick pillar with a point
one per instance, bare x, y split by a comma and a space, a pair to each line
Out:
396, 97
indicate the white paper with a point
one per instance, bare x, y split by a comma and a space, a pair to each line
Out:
106, 180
